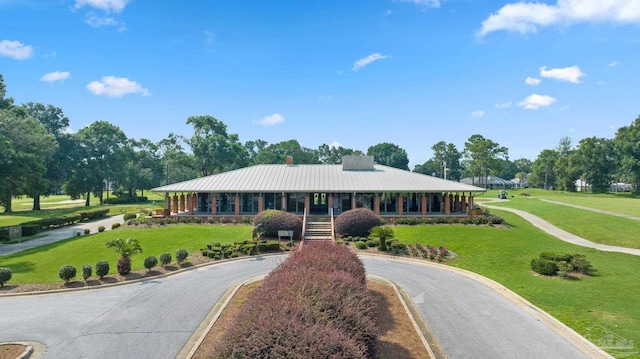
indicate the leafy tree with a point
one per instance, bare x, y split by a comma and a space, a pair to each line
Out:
215, 150
177, 164
252, 148
523, 165
482, 156
125, 248
278, 152
595, 158
627, 147
329, 154
389, 154
542, 174
564, 169
5, 102
447, 155
431, 168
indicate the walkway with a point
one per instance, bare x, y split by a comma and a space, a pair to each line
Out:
59, 234
155, 318
564, 235
634, 218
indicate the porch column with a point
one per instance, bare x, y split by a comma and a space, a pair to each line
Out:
376, 204
447, 204
284, 202
456, 203
181, 202
353, 201
237, 205
175, 203
260, 203
214, 204
400, 205
470, 204
192, 207
423, 205
307, 202
463, 204
330, 201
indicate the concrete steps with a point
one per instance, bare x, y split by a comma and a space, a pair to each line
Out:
318, 228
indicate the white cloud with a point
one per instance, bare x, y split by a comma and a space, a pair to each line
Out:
425, 3
614, 63
335, 144
532, 81
15, 50
535, 101
570, 74
368, 60
271, 120
503, 105
105, 5
477, 114
55, 76
112, 86
528, 17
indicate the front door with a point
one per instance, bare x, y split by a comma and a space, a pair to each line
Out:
319, 203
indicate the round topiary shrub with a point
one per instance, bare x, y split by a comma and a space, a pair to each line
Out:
124, 265
181, 255
67, 272
150, 262
356, 222
360, 245
86, 271
165, 258
5, 275
268, 223
102, 269
87, 231
101, 229
129, 216
115, 225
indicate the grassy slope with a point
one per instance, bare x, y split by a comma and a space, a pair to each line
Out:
504, 255
41, 264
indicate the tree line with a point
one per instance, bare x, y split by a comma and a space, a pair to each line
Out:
39, 157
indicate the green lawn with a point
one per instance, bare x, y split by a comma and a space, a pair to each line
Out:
41, 264
504, 255
596, 227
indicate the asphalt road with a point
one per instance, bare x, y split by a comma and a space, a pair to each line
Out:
154, 319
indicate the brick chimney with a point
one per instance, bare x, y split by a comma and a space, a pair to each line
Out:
289, 160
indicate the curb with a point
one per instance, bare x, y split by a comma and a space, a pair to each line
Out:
580, 342
33, 350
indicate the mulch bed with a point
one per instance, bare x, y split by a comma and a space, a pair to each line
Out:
11, 351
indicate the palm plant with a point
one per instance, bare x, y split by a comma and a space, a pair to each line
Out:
126, 248
382, 233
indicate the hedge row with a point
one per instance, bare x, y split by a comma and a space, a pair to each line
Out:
124, 200
489, 219
218, 251
152, 222
314, 305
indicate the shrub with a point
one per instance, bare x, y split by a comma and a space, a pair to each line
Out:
102, 269
371, 243
67, 272
564, 269
269, 246
123, 265
100, 229
581, 264
382, 233
115, 225
86, 271
544, 266
129, 216
360, 245
4, 234
150, 262
267, 223
88, 215
356, 222
30, 229
165, 258
87, 231
181, 255
5, 275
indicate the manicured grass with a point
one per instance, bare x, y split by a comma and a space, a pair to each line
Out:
596, 227
41, 264
504, 255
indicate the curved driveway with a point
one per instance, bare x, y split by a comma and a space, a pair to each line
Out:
154, 319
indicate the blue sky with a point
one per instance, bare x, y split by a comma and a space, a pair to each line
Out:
355, 73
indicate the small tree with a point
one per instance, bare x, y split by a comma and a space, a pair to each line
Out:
382, 233
102, 269
86, 271
67, 272
5, 275
150, 262
126, 248
165, 258
181, 255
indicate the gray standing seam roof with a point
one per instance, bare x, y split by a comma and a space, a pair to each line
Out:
317, 178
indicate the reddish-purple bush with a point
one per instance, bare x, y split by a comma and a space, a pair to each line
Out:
356, 222
269, 222
314, 305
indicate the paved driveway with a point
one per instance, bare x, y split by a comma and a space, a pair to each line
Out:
154, 319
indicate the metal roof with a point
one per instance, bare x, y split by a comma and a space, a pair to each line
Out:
317, 178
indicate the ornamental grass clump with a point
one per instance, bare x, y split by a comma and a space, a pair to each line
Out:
314, 305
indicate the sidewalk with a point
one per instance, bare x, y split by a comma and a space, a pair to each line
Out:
59, 234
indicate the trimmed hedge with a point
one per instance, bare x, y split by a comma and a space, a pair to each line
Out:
124, 200
5, 275
544, 266
356, 222
102, 269
314, 305
86, 271
181, 255
268, 223
67, 272
150, 262
4, 234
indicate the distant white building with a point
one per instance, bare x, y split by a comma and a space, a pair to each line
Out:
488, 182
